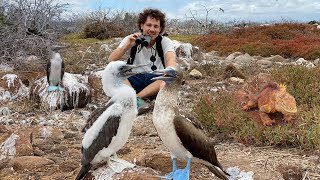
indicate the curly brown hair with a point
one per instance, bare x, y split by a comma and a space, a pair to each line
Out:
154, 13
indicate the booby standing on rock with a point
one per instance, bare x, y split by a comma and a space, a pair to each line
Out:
55, 70
108, 128
182, 136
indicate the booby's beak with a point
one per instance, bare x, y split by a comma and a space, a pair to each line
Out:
126, 70
57, 48
168, 75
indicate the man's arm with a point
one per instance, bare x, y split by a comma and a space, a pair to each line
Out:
121, 50
170, 59
118, 53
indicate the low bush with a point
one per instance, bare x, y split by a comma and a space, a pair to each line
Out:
102, 30
223, 116
290, 40
302, 83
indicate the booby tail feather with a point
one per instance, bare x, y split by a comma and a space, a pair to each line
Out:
218, 172
84, 170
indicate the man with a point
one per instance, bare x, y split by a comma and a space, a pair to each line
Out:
151, 22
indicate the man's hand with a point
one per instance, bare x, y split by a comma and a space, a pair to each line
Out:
120, 51
132, 39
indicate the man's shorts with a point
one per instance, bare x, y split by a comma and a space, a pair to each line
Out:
140, 81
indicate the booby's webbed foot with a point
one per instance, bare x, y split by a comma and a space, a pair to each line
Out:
183, 174
60, 88
52, 88
143, 106
168, 176
174, 168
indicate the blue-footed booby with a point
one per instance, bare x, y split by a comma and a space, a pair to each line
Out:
108, 128
183, 136
55, 69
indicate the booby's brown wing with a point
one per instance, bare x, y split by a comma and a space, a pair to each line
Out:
106, 133
196, 142
62, 70
94, 116
48, 70
191, 119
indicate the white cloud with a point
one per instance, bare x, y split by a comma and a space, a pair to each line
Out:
302, 10
261, 10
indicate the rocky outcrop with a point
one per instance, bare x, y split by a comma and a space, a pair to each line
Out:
30, 163
76, 93
94, 81
12, 87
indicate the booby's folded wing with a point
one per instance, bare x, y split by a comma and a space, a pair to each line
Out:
48, 70
62, 70
102, 140
191, 119
196, 142
94, 116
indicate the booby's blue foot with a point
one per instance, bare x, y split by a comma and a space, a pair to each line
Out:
60, 88
142, 106
174, 168
52, 88
183, 174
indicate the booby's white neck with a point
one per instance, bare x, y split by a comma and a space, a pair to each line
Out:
111, 83
126, 95
167, 96
56, 57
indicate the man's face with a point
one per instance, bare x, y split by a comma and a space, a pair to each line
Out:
151, 27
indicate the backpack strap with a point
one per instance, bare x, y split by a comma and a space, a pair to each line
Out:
159, 49
133, 52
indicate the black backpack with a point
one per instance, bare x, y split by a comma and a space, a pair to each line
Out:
158, 48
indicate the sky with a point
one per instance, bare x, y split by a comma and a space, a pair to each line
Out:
231, 10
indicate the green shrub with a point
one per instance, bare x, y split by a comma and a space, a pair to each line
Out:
309, 127
303, 83
184, 38
102, 30
224, 117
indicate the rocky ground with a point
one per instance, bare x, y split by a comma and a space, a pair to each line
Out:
48, 146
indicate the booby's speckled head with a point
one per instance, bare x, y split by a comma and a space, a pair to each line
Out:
121, 69
114, 75
169, 75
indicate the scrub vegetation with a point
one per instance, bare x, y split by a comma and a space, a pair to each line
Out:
290, 40
223, 116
